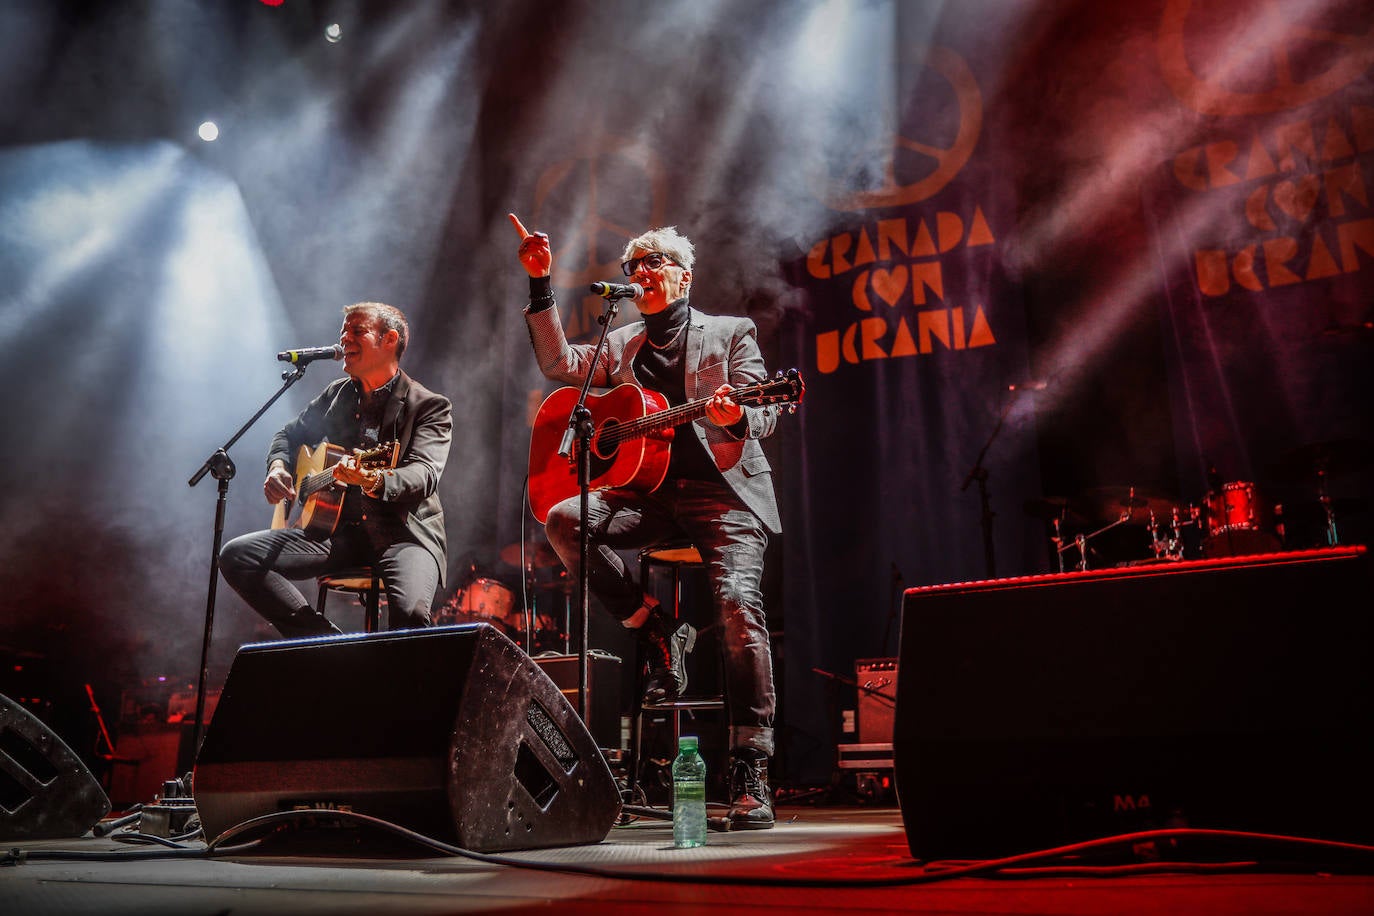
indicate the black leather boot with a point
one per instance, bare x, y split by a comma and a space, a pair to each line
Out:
665, 643
306, 622
751, 801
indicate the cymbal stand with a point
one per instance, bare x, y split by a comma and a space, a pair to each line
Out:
1333, 537
1080, 543
1058, 541
1169, 546
565, 631
1163, 547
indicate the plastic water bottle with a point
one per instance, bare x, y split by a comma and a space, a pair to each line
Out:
689, 795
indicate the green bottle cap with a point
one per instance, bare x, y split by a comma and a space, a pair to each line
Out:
686, 743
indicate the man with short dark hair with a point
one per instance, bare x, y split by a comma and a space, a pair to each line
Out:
386, 517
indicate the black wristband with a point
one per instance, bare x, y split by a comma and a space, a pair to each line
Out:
541, 294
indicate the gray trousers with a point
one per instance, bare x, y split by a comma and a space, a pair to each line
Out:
260, 566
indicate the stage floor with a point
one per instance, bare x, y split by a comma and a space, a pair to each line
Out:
816, 860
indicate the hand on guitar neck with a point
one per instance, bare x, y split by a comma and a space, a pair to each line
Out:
351, 472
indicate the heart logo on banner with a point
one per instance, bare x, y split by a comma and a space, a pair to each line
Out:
890, 283
1297, 200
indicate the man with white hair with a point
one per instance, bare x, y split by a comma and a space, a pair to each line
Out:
717, 493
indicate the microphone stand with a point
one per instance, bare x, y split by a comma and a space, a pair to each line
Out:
980, 474
221, 467
580, 428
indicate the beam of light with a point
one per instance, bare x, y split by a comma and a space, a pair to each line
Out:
1126, 150
143, 299
849, 82
365, 139
53, 231
1135, 146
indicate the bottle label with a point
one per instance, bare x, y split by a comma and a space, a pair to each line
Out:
689, 790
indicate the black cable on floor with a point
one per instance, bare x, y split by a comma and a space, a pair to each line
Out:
1037, 864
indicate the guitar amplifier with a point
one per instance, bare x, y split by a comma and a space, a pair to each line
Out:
877, 686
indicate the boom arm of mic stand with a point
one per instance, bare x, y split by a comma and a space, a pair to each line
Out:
213, 463
580, 426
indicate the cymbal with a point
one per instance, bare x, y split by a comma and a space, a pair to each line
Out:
1110, 503
1337, 456
536, 553
1054, 507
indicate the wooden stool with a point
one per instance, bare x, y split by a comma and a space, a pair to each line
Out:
362, 582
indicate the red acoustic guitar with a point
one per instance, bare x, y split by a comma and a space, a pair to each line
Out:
630, 445
319, 497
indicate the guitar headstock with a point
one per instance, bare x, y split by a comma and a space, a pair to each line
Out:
384, 455
784, 388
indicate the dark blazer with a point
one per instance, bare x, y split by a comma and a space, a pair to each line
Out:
720, 349
419, 419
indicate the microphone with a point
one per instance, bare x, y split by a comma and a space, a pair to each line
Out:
618, 290
1037, 384
310, 354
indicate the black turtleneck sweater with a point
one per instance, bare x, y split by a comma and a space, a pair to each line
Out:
661, 365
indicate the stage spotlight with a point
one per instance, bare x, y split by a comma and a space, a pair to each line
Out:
333, 33
208, 131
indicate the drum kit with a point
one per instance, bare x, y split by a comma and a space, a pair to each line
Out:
483, 598
1232, 519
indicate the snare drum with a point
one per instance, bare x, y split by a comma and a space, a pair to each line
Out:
484, 599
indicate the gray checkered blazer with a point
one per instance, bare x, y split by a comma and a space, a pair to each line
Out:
720, 349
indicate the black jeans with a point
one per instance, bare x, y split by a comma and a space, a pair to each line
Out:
731, 540
259, 566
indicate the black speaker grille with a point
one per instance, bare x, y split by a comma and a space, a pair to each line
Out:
553, 738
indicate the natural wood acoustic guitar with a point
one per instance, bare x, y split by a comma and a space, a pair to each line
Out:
319, 497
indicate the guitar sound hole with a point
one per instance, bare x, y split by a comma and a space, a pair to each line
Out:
604, 444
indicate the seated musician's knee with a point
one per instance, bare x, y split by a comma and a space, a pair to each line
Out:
235, 557
563, 522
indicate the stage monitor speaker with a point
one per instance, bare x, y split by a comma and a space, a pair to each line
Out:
1230, 694
46, 792
451, 732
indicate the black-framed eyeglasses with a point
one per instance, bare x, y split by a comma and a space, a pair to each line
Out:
653, 261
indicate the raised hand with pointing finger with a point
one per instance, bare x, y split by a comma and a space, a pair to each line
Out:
535, 253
